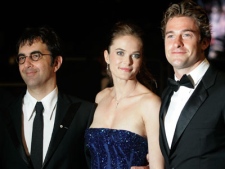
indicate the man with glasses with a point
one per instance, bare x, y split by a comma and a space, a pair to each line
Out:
63, 118
35, 56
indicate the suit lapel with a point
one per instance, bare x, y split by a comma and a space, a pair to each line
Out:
195, 101
165, 101
14, 127
191, 107
64, 116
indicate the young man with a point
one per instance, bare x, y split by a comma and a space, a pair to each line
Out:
65, 117
192, 134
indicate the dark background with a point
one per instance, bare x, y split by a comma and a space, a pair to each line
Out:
82, 26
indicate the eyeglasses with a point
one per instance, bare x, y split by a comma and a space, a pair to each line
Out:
35, 56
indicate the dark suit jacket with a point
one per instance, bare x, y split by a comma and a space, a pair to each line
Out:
66, 149
199, 139
5, 97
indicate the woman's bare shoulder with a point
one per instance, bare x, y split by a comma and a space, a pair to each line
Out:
103, 93
147, 96
150, 102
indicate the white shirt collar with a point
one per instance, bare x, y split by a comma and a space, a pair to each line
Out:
197, 74
49, 104
199, 71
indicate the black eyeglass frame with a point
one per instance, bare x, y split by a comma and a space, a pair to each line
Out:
34, 56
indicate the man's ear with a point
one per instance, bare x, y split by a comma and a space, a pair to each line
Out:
57, 63
205, 44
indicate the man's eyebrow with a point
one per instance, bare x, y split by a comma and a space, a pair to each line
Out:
36, 51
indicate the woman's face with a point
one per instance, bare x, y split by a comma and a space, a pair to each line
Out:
124, 57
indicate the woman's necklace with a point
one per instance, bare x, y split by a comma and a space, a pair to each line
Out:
118, 101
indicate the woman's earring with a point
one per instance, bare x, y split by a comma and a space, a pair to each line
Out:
107, 67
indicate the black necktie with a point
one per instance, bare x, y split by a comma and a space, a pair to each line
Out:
184, 81
37, 137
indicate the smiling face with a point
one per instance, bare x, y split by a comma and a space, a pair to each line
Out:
124, 57
41, 73
183, 45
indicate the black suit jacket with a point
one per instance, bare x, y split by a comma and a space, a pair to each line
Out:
66, 148
5, 97
199, 139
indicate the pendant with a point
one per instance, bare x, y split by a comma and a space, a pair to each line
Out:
117, 103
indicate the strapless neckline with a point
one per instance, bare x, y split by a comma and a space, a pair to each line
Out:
115, 148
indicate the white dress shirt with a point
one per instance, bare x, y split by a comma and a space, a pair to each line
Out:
179, 99
49, 104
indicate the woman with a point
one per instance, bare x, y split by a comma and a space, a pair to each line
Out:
126, 122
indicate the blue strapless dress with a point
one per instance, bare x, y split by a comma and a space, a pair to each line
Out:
115, 149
